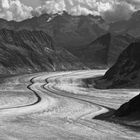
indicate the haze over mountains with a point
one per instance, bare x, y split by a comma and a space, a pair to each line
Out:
131, 26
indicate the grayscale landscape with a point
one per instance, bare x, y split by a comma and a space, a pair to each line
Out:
69, 70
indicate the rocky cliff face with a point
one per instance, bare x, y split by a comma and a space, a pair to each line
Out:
32, 51
129, 108
126, 71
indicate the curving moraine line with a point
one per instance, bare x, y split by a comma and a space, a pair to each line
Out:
34, 103
57, 92
47, 92
50, 89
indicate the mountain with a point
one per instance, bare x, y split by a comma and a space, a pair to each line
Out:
130, 26
73, 33
130, 108
118, 43
84, 38
125, 73
103, 51
95, 53
66, 31
27, 51
129, 112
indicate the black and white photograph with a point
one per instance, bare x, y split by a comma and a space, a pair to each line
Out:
69, 69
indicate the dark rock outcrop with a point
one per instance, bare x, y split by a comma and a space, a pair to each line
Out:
126, 71
129, 108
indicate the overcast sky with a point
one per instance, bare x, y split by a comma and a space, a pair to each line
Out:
33, 3
110, 10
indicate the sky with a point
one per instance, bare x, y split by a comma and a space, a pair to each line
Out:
32, 3
110, 10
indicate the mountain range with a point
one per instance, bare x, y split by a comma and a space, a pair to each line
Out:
65, 30
32, 51
62, 42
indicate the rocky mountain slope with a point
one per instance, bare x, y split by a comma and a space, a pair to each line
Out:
94, 54
32, 51
78, 38
126, 71
118, 43
85, 37
129, 108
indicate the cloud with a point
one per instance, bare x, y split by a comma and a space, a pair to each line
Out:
118, 11
74, 7
135, 3
14, 10
110, 10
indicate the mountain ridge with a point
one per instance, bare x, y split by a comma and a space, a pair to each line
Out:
63, 28
32, 51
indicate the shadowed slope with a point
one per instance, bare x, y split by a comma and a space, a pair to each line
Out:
103, 51
32, 51
130, 107
126, 71
94, 54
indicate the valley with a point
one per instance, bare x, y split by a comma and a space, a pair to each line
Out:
69, 77
57, 105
